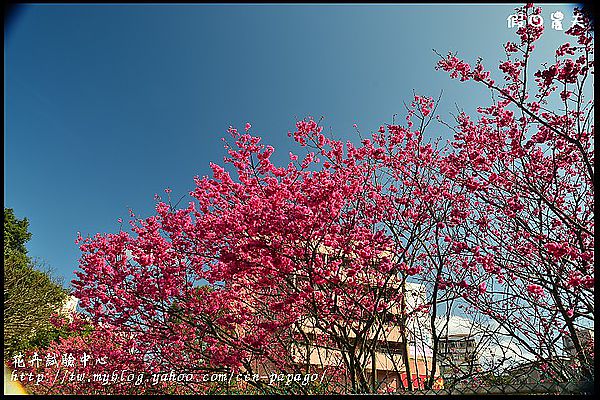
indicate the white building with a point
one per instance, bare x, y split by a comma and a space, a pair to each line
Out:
69, 307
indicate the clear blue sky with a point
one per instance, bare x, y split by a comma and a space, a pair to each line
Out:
106, 105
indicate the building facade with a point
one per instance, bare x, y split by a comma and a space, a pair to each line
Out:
458, 355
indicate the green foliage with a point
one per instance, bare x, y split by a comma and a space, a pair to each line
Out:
16, 234
31, 296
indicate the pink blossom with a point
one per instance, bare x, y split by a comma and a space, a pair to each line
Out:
535, 290
482, 287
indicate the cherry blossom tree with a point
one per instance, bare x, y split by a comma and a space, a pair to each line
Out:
527, 164
288, 252
308, 267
